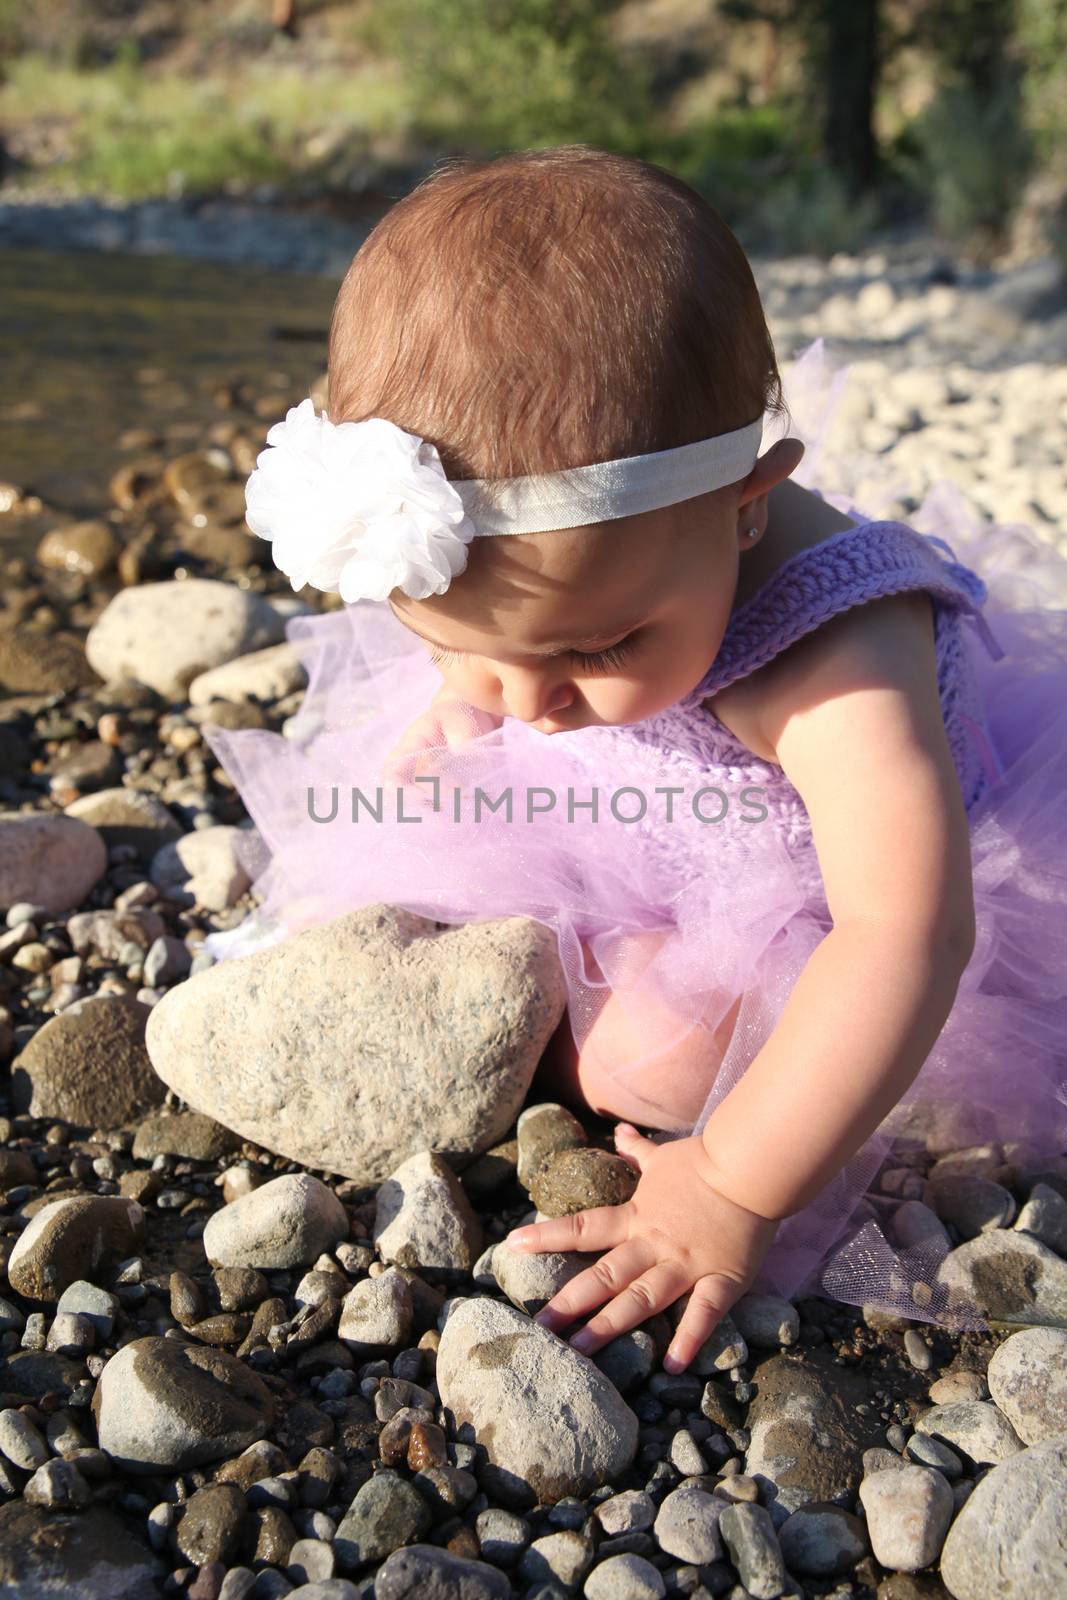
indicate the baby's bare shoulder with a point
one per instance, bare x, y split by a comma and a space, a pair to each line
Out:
887, 642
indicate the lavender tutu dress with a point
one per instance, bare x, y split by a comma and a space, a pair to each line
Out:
672, 827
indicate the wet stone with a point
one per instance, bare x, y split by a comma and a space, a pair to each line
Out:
185, 1133
210, 1525
70, 1238
748, 1534
161, 1404
541, 1131
89, 1065
578, 1180
423, 1572
88, 1552
385, 1514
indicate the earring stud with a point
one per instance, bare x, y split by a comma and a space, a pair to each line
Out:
750, 533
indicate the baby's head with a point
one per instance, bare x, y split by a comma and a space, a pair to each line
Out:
551, 309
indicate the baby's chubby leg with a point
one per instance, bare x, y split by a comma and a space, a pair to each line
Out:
669, 1088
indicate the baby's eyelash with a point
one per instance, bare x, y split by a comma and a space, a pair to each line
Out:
592, 661
440, 656
605, 660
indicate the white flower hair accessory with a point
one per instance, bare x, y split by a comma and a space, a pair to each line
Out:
363, 508
357, 508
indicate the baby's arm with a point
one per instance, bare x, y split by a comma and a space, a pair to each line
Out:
853, 713
854, 716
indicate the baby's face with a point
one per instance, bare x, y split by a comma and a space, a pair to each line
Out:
586, 626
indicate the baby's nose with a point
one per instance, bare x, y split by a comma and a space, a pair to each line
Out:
529, 699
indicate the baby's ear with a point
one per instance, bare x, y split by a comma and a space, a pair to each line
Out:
783, 459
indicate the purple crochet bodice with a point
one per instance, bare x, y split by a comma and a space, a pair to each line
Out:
861, 563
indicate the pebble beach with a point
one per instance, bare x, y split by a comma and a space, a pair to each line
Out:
260, 1334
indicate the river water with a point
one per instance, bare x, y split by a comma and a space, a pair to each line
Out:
93, 343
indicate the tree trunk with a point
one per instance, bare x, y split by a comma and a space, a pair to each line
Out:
851, 59
284, 17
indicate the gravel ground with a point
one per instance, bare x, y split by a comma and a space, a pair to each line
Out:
228, 1373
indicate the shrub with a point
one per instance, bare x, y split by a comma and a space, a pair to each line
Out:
974, 156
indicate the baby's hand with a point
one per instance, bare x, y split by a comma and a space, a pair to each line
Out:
677, 1234
447, 721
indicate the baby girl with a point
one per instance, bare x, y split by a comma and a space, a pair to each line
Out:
514, 324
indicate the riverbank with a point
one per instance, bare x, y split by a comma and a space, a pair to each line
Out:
235, 1348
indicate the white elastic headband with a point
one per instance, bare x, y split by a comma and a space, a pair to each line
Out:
578, 496
364, 508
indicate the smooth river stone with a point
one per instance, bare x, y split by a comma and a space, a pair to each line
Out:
72, 1238
1028, 1380
1010, 1276
50, 861
160, 1404
551, 1423
288, 1222
166, 634
359, 1043
89, 1065
1009, 1542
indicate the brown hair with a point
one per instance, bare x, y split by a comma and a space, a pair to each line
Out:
548, 309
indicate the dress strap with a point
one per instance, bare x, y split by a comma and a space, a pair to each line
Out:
861, 563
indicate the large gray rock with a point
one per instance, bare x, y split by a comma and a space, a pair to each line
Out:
167, 634
49, 861
160, 1404
1028, 1380
1009, 1542
72, 1238
49, 1555
550, 1421
89, 1065
359, 1043
1010, 1276
288, 1222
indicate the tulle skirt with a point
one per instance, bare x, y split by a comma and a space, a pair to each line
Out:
683, 903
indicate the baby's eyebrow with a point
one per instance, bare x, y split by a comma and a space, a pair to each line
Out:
553, 649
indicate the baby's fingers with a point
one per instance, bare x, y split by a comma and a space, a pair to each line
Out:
709, 1302
598, 1229
653, 1291
596, 1284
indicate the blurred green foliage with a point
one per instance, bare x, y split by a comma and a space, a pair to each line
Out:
512, 73
367, 83
974, 155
